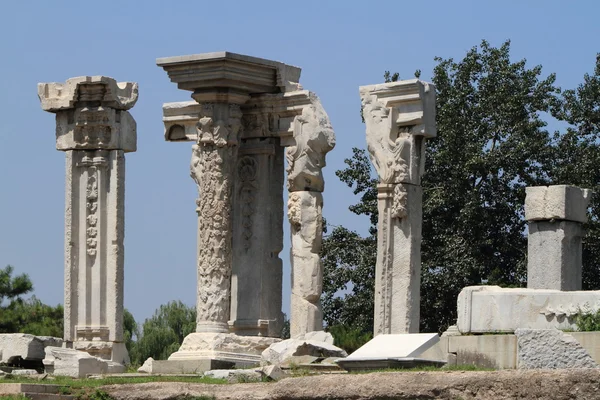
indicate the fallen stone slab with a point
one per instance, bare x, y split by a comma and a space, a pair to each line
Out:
198, 366
74, 363
14, 346
550, 349
25, 372
272, 372
235, 375
281, 352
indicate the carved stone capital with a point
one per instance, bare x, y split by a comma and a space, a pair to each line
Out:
313, 138
398, 116
91, 113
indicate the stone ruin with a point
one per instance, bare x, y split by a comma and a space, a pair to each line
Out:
95, 130
250, 120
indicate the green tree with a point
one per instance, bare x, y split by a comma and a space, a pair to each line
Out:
577, 161
33, 317
491, 143
162, 334
12, 288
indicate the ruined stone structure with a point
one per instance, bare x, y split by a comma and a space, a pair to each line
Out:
556, 215
95, 130
399, 116
250, 117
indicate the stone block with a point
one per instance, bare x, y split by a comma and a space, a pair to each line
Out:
74, 363
550, 348
281, 352
197, 366
554, 255
491, 309
561, 202
485, 351
396, 346
244, 351
590, 341
24, 372
319, 336
235, 375
25, 346
272, 372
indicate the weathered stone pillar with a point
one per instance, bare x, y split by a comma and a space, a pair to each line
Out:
95, 130
239, 171
556, 215
213, 164
399, 117
313, 138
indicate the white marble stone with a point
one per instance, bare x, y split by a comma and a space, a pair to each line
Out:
74, 363
395, 346
489, 309
319, 336
562, 202
279, 353
242, 350
554, 252
399, 116
25, 346
246, 111
95, 130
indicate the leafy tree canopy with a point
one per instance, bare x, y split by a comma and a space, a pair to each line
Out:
492, 142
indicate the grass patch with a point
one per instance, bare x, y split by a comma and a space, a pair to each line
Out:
13, 397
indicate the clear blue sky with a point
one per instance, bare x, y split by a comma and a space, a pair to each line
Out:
340, 45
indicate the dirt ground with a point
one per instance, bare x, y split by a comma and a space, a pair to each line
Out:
455, 385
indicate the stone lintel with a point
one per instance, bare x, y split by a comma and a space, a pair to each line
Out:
557, 202
412, 103
104, 90
229, 70
266, 115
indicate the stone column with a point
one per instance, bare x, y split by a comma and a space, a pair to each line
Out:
95, 130
256, 281
213, 164
313, 138
556, 215
399, 117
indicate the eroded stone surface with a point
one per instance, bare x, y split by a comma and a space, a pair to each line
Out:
279, 353
550, 349
74, 363
562, 202
399, 116
95, 130
488, 309
319, 336
25, 346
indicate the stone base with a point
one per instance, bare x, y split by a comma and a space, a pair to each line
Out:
241, 350
114, 353
367, 364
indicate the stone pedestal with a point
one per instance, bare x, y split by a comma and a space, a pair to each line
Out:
399, 117
556, 215
246, 111
95, 130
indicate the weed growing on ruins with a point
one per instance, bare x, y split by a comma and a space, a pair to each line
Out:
588, 321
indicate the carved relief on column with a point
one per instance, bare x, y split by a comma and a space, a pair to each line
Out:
212, 168
313, 138
95, 129
398, 117
247, 173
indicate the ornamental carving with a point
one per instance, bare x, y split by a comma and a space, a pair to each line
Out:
313, 139
212, 167
247, 172
93, 164
93, 127
389, 150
